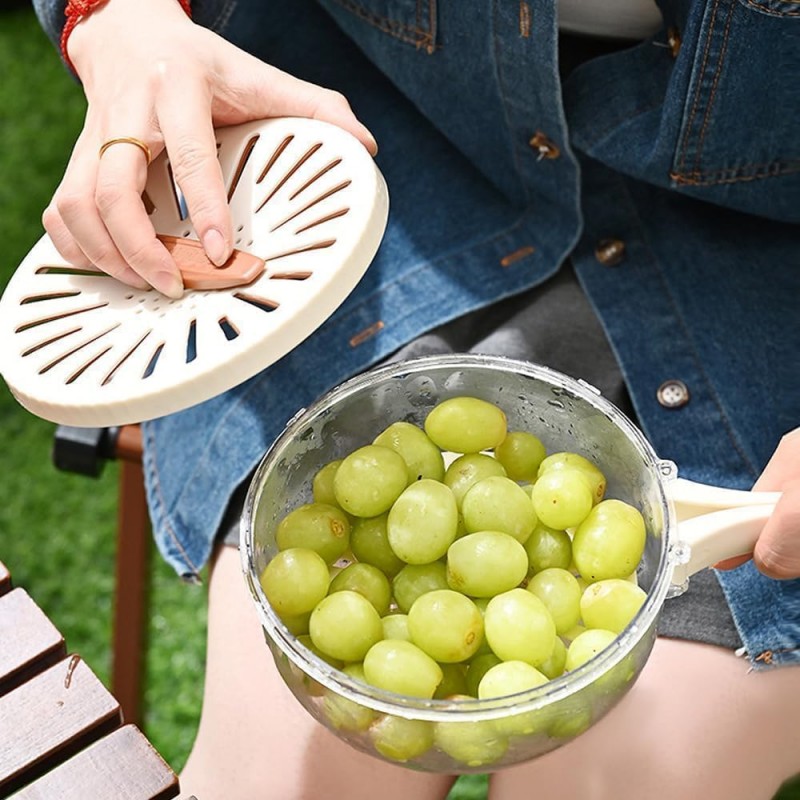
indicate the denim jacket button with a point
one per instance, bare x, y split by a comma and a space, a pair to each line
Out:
610, 252
674, 41
673, 394
544, 146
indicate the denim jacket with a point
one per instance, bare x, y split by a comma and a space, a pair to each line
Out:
668, 171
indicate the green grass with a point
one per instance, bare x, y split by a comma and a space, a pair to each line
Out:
57, 531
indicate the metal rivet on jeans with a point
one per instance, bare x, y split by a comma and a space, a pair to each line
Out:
673, 394
610, 252
544, 146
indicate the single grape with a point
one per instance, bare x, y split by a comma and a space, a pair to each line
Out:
573, 633
369, 480
466, 425
560, 592
369, 542
554, 666
611, 604
425, 506
561, 498
477, 668
423, 458
454, 681
403, 668
519, 627
416, 579
475, 744
401, 739
395, 626
596, 479
498, 504
546, 548
344, 714
465, 471
485, 564
298, 625
446, 625
520, 453
315, 526
609, 543
345, 625
307, 642
513, 677
294, 581
587, 646
322, 485
368, 581
570, 724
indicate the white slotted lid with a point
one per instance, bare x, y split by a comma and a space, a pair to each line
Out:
81, 348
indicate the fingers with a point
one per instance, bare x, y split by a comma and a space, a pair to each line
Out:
784, 464
777, 552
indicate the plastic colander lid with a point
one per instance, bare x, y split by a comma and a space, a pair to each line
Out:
309, 210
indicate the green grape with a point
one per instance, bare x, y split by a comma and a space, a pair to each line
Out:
422, 456
454, 681
520, 453
477, 668
425, 506
322, 485
345, 625
519, 627
485, 564
307, 642
315, 526
344, 714
401, 739
476, 744
369, 542
369, 480
609, 543
368, 581
513, 677
587, 646
560, 592
395, 626
466, 425
466, 471
403, 668
554, 666
416, 579
571, 724
596, 479
481, 603
446, 625
294, 581
561, 498
573, 633
546, 548
611, 604
298, 625
498, 504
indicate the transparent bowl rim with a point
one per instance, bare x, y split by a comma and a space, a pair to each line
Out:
472, 710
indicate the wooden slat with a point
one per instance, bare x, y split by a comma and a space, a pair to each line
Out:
29, 642
122, 766
5, 578
50, 718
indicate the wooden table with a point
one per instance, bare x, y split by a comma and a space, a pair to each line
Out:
61, 731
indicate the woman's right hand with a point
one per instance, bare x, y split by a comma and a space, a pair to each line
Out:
150, 73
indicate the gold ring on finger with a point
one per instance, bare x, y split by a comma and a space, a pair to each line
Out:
127, 140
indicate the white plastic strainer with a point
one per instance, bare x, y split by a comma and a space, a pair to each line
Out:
80, 348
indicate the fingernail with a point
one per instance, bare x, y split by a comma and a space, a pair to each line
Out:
215, 247
168, 283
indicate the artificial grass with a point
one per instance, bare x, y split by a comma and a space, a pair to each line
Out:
57, 531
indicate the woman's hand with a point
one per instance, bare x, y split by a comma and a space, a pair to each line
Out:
150, 73
777, 552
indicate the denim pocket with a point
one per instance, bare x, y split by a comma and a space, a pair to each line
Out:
410, 21
213, 14
741, 120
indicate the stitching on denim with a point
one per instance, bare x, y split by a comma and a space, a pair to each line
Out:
390, 26
772, 12
720, 177
681, 322
714, 86
224, 16
158, 501
690, 122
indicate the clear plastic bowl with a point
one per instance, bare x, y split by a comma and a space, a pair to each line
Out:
466, 735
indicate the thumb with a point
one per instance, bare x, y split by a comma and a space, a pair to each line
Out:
777, 552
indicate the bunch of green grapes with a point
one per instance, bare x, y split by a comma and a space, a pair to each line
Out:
456, 561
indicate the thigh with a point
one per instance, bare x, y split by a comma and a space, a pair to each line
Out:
697, 725
255, 741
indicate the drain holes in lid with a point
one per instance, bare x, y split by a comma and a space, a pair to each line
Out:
275, 156
65, 269
191, 342
75, 375
228, 328
243, 159
51, 340
108, 378
55, 317
299, 163
290, 276
151, 365
298, 250
56, 361
312, 203
39, 298
177, 194
259, 302
335, 215
327, 168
